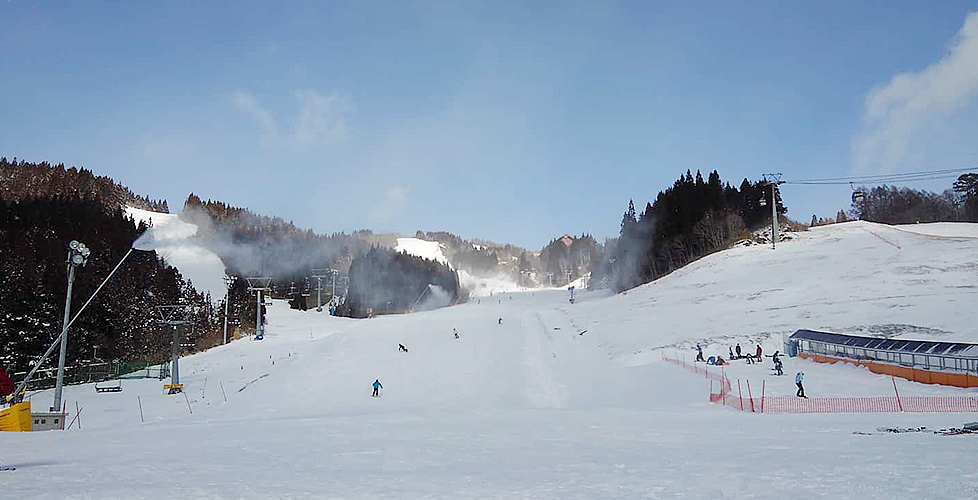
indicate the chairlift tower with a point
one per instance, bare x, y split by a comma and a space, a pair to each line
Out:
175, 316
229, 282
319, 274
258, 284
775, 181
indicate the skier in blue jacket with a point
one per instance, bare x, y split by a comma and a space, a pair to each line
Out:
801, 390
377, 388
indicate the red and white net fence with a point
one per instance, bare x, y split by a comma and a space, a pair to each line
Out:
740, 397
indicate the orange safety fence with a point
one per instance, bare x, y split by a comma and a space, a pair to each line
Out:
736, 399
715, 374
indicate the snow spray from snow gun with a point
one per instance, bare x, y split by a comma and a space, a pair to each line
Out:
57, 341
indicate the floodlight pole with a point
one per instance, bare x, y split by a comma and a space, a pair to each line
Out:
37, 365
59, 385
77, 256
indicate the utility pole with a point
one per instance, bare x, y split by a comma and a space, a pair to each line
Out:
229, 281
175, 316
774, 182
77, 256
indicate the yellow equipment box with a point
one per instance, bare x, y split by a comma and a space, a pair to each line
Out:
17, 418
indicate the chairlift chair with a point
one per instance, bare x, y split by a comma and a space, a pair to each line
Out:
857, 195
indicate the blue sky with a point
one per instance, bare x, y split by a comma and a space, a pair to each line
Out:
515, 122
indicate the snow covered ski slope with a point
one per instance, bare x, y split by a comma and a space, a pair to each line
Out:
531, 407
172, 240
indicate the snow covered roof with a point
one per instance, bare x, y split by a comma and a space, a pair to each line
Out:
956, 349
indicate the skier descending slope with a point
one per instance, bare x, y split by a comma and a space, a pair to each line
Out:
377, 388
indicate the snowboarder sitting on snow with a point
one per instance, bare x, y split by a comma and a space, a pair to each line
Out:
377, 388
699, 353
801, 390
720, 361
711, 361
400, 347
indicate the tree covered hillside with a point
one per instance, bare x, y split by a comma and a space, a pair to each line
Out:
119, 323
23, 181
385, 281
686, 221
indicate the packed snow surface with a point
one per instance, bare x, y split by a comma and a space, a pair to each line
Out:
430, 250
171, 237
540, 398
478, 286
949, 229
486, 286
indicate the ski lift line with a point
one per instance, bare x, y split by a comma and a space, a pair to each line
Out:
855, 178
882, 180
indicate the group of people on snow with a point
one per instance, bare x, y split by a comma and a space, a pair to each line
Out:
752, 359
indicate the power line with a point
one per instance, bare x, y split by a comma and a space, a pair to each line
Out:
882, 178
868, 178
876, 181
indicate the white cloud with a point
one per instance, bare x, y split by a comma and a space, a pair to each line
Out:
247, 103
393, 200
926, 118
319, 119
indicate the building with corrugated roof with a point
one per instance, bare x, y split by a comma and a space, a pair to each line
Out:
945, 363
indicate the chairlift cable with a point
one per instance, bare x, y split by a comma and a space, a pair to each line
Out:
868, 178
